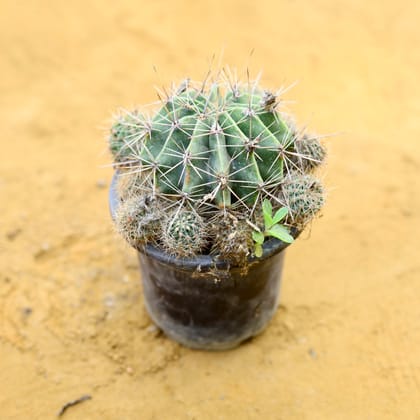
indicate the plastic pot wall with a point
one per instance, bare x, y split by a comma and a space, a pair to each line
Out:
205, 304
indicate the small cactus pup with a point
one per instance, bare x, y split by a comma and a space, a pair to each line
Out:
213, 183
137, 219
303, 195
183, 233
124, 135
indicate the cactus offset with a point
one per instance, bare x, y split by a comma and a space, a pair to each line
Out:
126, 134
304, 196
137, 220
183, 233
309, 153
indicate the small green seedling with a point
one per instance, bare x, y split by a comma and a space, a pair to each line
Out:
272, 227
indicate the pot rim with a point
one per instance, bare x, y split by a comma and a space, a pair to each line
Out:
206, 261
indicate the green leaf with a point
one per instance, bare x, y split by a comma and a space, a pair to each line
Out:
267, 213
268, 221
258, 251
282, 233
280, 215
258, 237
267, 207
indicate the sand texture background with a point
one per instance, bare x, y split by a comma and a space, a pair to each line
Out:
345, 343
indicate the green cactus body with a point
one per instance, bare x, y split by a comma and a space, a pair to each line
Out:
218, 147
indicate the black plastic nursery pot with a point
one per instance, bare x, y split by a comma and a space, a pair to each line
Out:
203, 303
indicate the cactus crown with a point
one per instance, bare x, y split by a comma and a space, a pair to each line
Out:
211, 148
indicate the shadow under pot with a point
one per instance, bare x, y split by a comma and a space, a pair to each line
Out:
203, 303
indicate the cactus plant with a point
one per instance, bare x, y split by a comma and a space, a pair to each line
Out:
210, 151
125, 135
303, 195
309, 153
183, 233
137, 220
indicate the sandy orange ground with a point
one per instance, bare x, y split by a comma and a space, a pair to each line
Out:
345, 343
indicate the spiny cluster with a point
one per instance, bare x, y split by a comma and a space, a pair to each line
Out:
213, 151
303, 195
137, 219
183, 233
